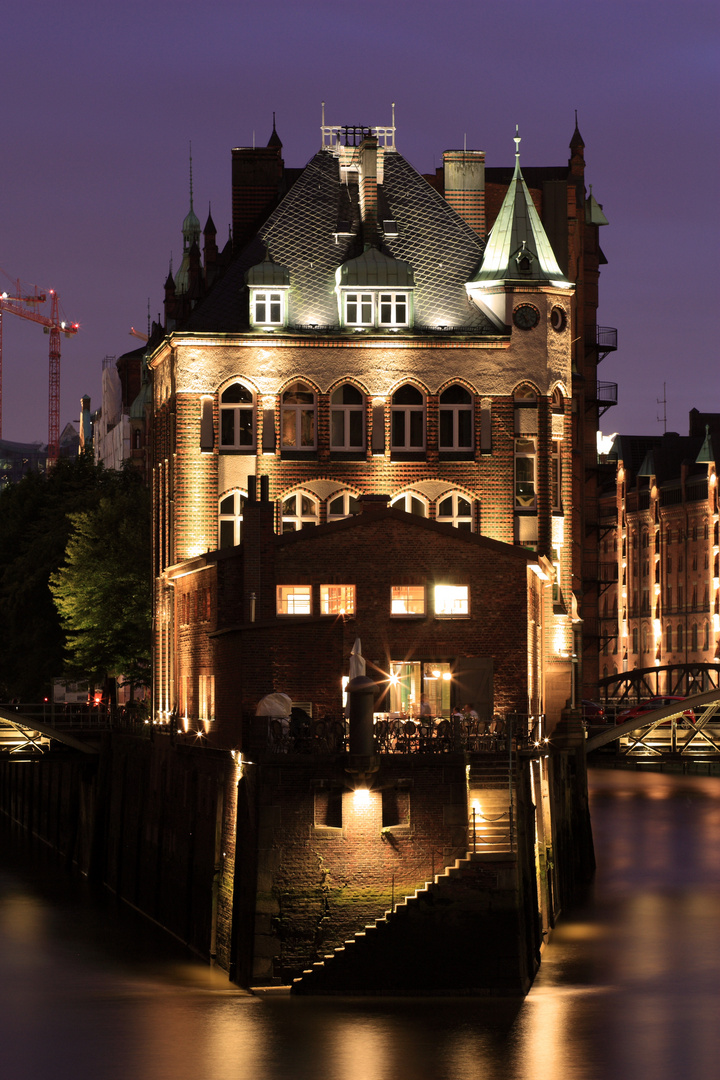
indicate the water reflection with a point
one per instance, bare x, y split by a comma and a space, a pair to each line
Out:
629, 986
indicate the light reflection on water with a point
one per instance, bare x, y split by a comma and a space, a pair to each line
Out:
629, 987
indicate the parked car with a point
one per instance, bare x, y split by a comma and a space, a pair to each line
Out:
593, 713
649, 705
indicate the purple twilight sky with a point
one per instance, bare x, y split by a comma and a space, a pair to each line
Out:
101, 101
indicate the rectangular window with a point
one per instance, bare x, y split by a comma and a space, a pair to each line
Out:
393, 309
337, 599
555, 476
525, 473
327, 808
268, 308
452, 601
359, 309
294, 600
407, 600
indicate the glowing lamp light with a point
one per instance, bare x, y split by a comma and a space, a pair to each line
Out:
436, 673
447, 676
361, 798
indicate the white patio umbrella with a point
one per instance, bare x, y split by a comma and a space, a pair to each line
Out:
357, 661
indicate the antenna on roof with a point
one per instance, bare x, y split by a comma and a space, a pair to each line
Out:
663, 401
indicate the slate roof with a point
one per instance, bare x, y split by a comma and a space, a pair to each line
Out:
317, 227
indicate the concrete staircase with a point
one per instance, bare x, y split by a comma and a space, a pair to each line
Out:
457, 934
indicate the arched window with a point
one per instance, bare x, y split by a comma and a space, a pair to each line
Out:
668, 638
645, 639
408, 419
342, 505
230, 518
694, 638
299, 511
635, 640
455, 509
680, 636
706, 635
347, 419
456, 419
237, 417
297, 418
411, 504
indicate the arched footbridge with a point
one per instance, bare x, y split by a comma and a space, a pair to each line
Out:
688, 728
21, 734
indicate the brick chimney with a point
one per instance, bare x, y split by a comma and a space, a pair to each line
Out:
464, 181
368, 187
258, 553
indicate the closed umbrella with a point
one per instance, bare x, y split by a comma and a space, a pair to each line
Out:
357, 661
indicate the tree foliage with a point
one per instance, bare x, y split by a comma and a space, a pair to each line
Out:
35, 527
103, 589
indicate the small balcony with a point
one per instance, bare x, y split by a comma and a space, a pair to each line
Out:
605, 341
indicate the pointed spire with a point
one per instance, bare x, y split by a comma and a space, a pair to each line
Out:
706, 456
576, 143
518, 247
274, 139
209, 229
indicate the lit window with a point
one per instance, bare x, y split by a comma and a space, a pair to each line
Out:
342, 506
347, 419
298, 512
525, 474
407, 600
407, 419
411, 504
268, 308
237, 416
230, 518
337, 599
359, 309
294, 599
393, 309
456, 417
452, 601
455, 509
297, 418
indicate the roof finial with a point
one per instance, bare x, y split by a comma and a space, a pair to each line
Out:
516, 140
191, 186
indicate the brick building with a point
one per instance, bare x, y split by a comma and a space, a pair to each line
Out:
442, 613
367, 333
659, 552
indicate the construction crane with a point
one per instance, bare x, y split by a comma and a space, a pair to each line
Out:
25, 306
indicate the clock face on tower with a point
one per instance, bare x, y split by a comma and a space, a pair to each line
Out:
526, 317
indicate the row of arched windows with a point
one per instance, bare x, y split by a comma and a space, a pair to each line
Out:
298, 417
301, 509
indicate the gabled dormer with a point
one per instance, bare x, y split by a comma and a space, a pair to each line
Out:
375, 291
518, 254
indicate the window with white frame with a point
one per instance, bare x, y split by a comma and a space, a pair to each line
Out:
393, 309
456, 419
297, 417
452, 601
407, 600
525, 463
347, 419
407, 420
230, 518
455, 509
299, 511
237, 418
411, 504
337, 599
342, 505
294, 600
268, 307
359, 309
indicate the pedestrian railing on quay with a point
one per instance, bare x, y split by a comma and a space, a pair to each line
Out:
402, 735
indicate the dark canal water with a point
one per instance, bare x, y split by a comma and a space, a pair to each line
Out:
629, 988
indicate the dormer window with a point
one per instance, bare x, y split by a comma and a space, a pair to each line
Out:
375, 290
393, 309
359, 309
268, 307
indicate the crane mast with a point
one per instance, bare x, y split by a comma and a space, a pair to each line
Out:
25, 308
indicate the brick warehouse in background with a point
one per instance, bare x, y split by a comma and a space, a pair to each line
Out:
362, 336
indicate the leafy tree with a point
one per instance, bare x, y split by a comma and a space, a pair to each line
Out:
103, 589
34, 531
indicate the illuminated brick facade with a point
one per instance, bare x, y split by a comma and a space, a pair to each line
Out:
361, 344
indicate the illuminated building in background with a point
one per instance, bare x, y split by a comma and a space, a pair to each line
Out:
659, 554
373, 331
